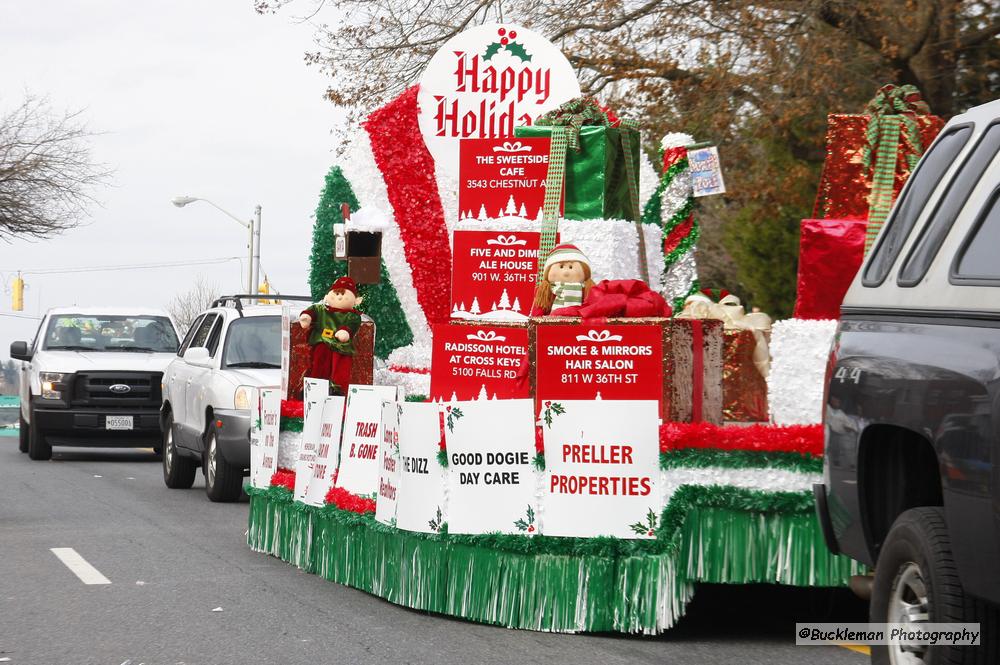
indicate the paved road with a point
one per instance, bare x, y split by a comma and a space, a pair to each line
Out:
172, 558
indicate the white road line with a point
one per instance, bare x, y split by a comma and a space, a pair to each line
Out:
79, 566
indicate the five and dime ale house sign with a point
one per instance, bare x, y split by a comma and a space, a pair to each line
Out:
484, 82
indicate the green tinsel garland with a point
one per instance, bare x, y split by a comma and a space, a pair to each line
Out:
740, 459
416, 398
290, 424
380, 300
718, 534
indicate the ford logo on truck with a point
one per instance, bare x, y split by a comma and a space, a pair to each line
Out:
120, 388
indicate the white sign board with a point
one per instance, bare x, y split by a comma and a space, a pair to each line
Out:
314, 390
388, 464
484, 82
706, 172
491, 476
270, 407
602, 470
359, 466
421, 476
256, 440
311, 426
327, 452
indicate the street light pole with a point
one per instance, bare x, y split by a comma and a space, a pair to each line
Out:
253, 237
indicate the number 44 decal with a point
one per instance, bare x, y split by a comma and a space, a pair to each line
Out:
844, 374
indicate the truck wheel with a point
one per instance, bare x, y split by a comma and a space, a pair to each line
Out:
223, 482
22, 432
38, 447
916, 581
178, 471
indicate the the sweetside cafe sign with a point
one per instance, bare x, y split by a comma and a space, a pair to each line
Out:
484, 82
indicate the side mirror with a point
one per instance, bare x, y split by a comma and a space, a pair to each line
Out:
19, 351
198, 355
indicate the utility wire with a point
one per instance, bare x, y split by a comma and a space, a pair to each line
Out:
137, 266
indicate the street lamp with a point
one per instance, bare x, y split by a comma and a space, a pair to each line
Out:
253, 243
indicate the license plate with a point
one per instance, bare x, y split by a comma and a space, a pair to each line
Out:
118, 422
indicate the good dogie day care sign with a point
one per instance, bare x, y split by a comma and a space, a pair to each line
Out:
359, 468
491, 479
471, 361
602, 472
493, 274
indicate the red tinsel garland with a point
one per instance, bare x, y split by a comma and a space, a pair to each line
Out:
804, 439
292, 409
284, 478
408, 170
344, 500
403, 369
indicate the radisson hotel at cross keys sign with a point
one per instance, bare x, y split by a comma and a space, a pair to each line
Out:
484, 82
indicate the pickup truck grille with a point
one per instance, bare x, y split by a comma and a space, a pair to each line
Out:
95, 389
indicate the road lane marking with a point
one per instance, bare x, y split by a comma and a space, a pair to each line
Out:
857, 648
79, 566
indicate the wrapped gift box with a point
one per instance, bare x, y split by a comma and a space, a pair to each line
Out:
683, 370
362, 370
830, 254
845, 186
744, 388
596, 182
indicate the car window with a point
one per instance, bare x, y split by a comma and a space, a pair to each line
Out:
190, 334
253, 341
112, 332
977, 260
948, 207
918, 190
213, 337
200, 338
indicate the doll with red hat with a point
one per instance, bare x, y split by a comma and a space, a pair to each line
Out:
333, 323
565, 282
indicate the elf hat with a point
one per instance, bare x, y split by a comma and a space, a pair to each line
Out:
565, 252
345, 284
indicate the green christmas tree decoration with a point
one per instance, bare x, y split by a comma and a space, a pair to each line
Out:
380, 300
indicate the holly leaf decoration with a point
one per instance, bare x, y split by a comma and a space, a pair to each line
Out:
651, 518
531, 515
435, 524
555, 408
258, 425
639, 528
521, 525
453, 415
492, 50
518, 51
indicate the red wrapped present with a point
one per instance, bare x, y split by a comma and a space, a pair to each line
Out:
744, 388
362, 369
830, 254
877, 149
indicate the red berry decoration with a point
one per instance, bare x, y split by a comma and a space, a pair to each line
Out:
650, 533
531, 528
512, 35
502, 32
504, 41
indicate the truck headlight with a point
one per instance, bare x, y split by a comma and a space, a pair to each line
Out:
242, 398
53, 383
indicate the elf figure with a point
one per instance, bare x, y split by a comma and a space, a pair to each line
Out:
565, 281
334, 324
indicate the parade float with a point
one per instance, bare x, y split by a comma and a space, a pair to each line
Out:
560, 451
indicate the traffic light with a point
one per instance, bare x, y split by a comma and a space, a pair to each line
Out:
17, 303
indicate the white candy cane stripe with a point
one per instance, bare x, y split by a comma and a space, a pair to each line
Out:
767, 480
369, 188
680, 277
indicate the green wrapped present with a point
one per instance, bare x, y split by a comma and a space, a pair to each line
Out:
596, 180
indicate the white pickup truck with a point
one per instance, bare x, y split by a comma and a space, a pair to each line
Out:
92, 377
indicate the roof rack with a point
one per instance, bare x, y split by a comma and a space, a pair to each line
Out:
237, 299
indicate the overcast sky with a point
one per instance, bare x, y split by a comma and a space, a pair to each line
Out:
198, 98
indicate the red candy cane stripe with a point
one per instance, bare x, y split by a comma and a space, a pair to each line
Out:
408, 170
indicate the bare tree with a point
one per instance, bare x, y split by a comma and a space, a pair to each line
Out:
186, 306
47, 173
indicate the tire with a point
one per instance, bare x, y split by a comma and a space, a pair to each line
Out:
223, 481
178, 471
23, 429
38, 448
916, 567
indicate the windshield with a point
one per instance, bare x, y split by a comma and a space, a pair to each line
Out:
253, 341
80, 332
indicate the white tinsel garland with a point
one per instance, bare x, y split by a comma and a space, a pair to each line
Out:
799, 352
